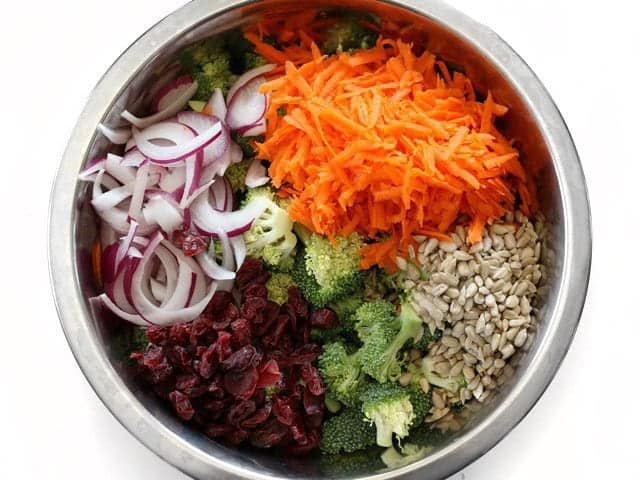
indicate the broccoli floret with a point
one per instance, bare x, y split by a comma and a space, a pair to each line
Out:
428, 371
349, 34
246, 144
347, 432
242, 51
271, 237
325, 271
427, 338
389, 407
278, 287
418, 445
270, 392
342, 373
350, 465
236, 173
333, 405
208, 63
383, 336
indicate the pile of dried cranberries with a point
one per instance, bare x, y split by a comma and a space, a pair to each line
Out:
242, 374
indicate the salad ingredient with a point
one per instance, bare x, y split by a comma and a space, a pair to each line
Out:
389, 144
236, 175
271, 236
209, 63
216, 370
256, 174
393, 410
348, 465
347, 432
350, 32
278, 287
117, 136
384, 335
342, 373
326, 271
480, 297
173, 90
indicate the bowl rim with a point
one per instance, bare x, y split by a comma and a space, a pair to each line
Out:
563, 318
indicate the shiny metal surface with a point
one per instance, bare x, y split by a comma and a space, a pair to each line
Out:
533, 121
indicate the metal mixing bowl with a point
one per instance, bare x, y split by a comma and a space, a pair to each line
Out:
533, 121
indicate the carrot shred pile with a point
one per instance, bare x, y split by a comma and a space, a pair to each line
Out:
385, 143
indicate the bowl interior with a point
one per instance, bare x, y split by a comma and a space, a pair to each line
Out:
519, 124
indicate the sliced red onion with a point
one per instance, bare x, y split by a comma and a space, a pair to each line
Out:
174, 179
169, 93
216, 106
139, 187
114, 167
162, 212
170, 110
117, 136
108, 235
200, 123
247, 106
211, 268
199, 191
219, 193
246, 77
228, 206
163, 79
236, 152
256, 174
92, 168
133, 158
210, 220
158, 290
129, 317
254, 130
185, 142
239, 250
193, 175
125, 245
228, 259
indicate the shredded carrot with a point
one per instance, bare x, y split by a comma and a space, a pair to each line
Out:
96, 262
385, 143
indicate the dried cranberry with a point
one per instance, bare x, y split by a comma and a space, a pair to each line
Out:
313, 404
221, 299
179, 357
324, 318
182, 405
216, 408
305, 354
223, 345
190, 385
240, 359
259, 417
284, 410
298, 430
156, 365
216, 388
157, 335
240, 412
270, 311
249, 271
269, 374
315, 420
200, 327
255, 290
190, 243
311, 377
269, 434
179, 333
209, 361
252, 309
232, 312
297, 302
241, 332
312, 441
241, 384
273, 338
221, 322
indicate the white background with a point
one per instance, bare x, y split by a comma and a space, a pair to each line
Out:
52, 426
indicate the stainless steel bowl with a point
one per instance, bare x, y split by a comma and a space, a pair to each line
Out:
533, 121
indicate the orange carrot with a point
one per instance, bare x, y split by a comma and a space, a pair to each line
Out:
384, 143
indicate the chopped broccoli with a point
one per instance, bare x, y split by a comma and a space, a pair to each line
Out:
383, 336
350, 465
326, 272
209, 64
271, 237
246, 144
282, 111
334, 406
389, 407
236, 173
342, 373
278, 287
427, 338
270, 392
421, 441
242, 52
347, 432
349, 33
428, 371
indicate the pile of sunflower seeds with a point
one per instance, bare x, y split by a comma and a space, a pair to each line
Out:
480, 296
